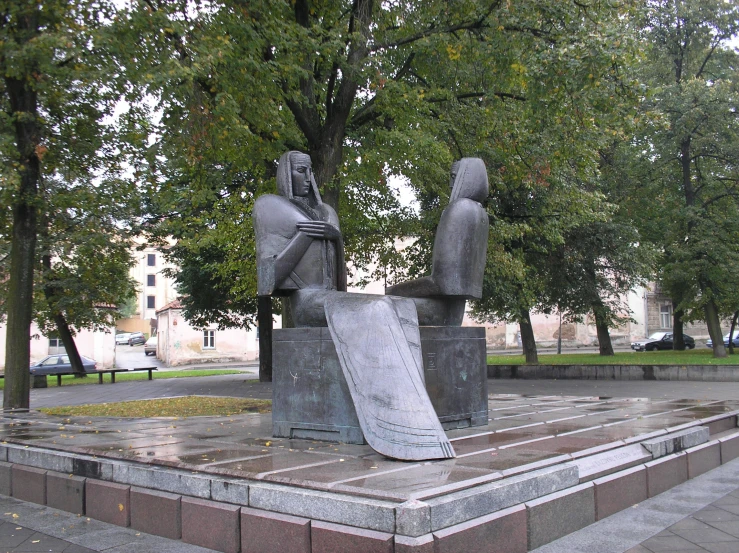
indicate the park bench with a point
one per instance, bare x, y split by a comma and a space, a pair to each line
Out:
112, 373
100, 374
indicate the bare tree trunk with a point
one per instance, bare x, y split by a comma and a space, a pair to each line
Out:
264, 318
23, 103
528, 341
714, 329
731, 332
605, 346
61, 322
678, 342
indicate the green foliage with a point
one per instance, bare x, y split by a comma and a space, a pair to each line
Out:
683, 163
86, 200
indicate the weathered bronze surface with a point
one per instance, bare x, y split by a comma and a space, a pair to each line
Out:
300, 255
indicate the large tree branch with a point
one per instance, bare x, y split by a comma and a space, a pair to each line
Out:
477, 23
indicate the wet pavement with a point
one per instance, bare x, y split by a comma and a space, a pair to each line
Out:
524, 432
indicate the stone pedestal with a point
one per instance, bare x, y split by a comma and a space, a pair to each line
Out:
455, 368
310, 398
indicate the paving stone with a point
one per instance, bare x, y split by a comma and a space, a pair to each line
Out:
721, 425
703, 535
501, 532
327, 537
729, 448
330, 507
65, 492
618, 491
703, 458
6, 478
482, 500
721, 547
265, 532
558, 514
666, 473
676, 441
413, 518
164, 479
668, 544
156, 512
29, 484
229, 491
609, 462
714, 514
210, 524
58, 461
421, 544
731, 528
108, 501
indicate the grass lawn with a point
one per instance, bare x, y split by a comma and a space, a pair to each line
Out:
696, 356
122, 377
191, 406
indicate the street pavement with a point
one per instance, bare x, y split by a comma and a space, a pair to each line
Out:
701, 515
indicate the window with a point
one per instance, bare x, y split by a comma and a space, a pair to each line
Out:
665, 316
151, 259
151, 280
209, 339
151, 302
56, 346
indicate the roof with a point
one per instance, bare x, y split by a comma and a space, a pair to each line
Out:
176, 304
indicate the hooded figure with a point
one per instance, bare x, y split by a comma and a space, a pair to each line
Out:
460, 251
299, 244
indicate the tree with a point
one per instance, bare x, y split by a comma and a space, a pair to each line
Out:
55, 93
369, 90
688, 156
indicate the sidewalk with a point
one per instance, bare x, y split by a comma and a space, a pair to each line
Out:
701, 515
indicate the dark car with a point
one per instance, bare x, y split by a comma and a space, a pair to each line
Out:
709, 342
55, 364
660, 340
136, 338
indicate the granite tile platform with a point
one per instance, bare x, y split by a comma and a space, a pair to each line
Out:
542, 467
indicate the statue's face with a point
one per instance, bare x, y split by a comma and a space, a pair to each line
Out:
300, 175
453, 175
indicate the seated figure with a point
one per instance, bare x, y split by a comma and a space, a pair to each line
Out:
459, 254
376, 338
300, 251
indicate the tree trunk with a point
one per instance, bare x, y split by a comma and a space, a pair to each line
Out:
678, 343
731, 332
601, 327
527, 337
24, 118
264, 319
61, 322
69, 345
714, 329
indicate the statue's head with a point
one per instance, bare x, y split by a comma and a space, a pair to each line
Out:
470, 180
295, 177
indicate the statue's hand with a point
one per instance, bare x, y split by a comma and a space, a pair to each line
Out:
320, 229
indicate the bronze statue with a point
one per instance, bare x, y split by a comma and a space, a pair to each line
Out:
376, 338
460, 251
300, 250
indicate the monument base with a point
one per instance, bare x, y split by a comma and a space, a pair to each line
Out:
311, 400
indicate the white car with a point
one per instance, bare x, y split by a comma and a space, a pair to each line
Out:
151, 346
122, 338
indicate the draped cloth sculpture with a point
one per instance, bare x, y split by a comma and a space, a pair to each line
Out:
300, 255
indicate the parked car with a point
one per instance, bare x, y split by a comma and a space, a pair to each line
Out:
136, 338
660, 340
122, 338
55, 364
709, 342
151, 346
